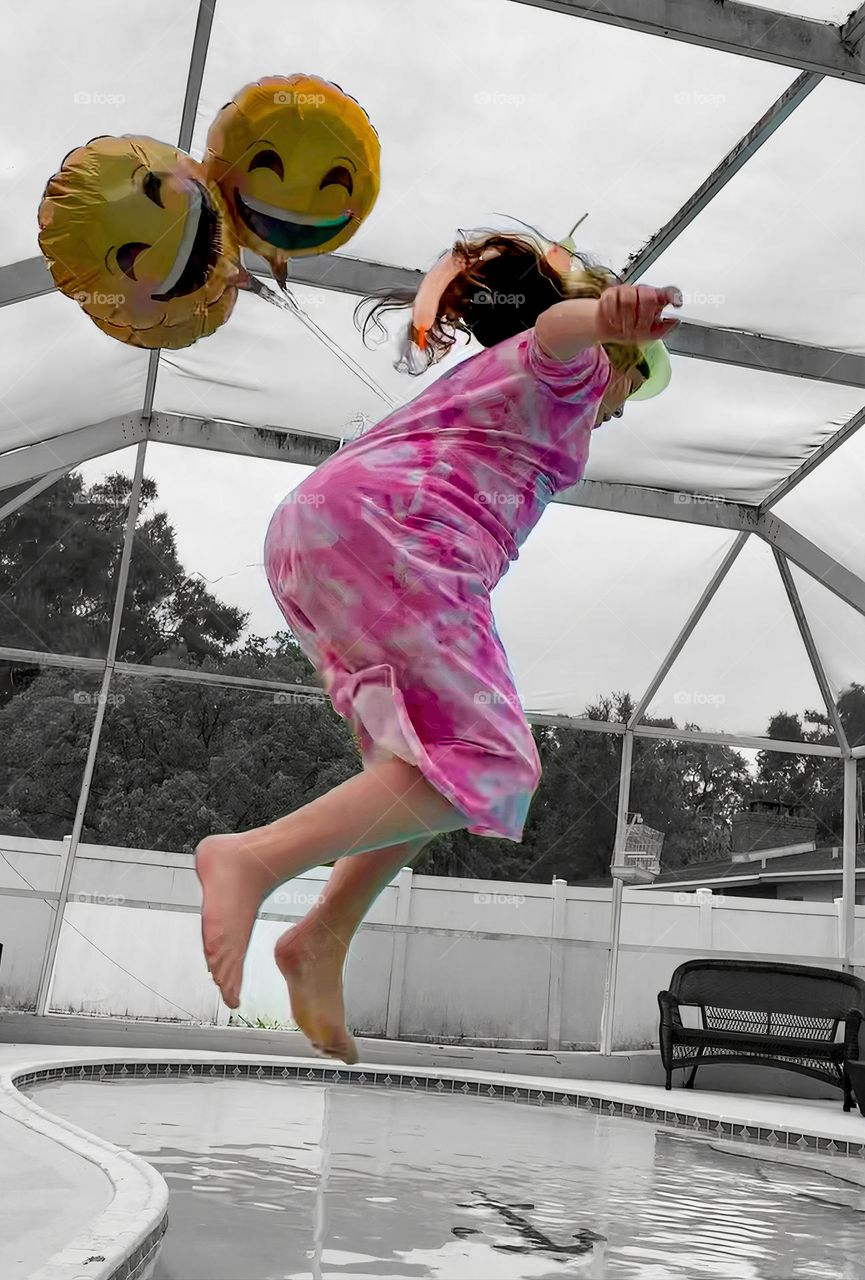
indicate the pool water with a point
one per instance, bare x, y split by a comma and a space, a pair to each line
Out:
291, 1181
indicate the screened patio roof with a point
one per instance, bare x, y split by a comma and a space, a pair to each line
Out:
712, 562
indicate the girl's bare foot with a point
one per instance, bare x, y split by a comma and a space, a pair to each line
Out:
233, 885
311, 959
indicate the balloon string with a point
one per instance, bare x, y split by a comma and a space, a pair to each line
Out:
343, 356
287, 302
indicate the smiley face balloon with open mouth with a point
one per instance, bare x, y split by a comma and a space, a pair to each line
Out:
133, 231
297, 162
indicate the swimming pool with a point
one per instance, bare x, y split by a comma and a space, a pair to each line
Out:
277, 1180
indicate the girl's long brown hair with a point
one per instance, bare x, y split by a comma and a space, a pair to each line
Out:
494, 298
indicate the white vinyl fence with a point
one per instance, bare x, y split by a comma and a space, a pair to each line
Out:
520, 965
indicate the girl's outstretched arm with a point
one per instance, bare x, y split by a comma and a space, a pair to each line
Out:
623, 313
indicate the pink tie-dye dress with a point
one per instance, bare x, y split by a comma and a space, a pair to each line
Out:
383, 561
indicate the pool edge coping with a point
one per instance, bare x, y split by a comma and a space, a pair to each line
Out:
127, 1234
121, 1241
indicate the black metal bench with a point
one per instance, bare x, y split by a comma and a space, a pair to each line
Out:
779, 1015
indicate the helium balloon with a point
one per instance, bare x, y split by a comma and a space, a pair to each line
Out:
297, 162
135, 233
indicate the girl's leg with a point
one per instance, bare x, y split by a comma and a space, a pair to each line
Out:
389, 803
311, 955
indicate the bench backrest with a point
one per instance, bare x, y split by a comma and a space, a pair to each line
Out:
766, 998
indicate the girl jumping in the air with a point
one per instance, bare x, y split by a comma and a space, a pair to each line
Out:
383, 561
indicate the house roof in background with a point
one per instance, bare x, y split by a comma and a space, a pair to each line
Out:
815, 863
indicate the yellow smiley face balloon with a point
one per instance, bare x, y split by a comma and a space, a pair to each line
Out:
133, 231
297, 162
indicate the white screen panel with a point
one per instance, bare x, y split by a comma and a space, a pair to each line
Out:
496, 108
60, 372
72, 72
829, 505
595, 602
781, 250
745, 661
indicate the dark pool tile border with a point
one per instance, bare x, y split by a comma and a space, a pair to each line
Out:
139, 1262
314, 1071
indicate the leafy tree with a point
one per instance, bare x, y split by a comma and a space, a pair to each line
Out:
59, 558
815, 783
687, 790
44, 735
571, 823
176, 761
179, 760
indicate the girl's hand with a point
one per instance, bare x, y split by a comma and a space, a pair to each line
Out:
632, 313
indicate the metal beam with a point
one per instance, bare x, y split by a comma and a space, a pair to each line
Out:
53, 940
853, 32
700, 342
190, 675
306, 450
753, 741
150, 385
608, 1011
342, 274
578, 724
769, 355
575, 724
813, 654
29, 278
762, 131
663, 504
144, 671
236, 437
848, 874
826, 449
730, 26
816, 562
623, 802
32, 491
36, 658
66, 451
688, 629
197, 59
355, 276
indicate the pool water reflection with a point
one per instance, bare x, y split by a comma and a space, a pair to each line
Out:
289, 1181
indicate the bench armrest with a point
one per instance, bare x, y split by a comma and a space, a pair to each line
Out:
669, 1005
852, 1023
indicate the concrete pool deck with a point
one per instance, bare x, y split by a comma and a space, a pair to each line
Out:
47, 1192
114, 1204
